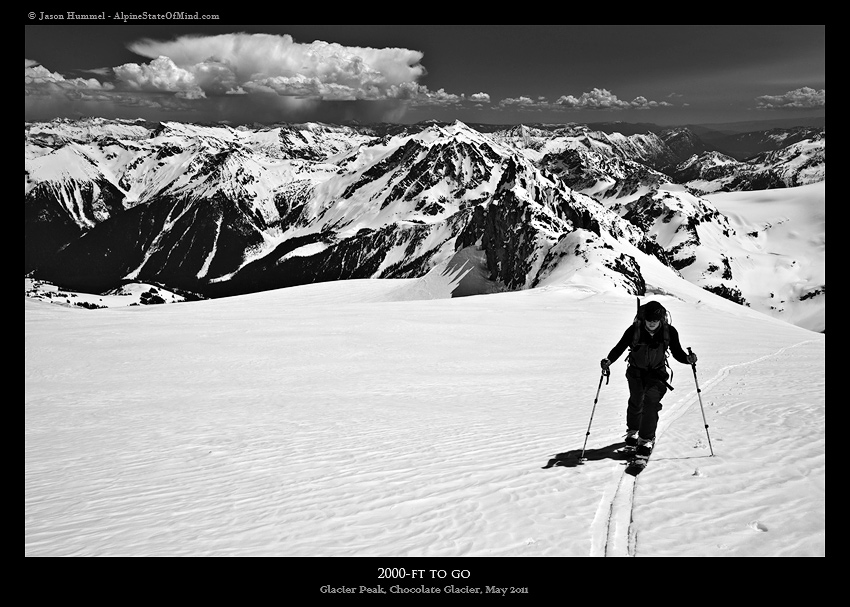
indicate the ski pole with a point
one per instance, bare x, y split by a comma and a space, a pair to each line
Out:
699, 394
605, 373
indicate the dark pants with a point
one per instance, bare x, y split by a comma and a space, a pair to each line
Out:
646, 389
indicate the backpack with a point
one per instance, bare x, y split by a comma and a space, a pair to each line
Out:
644, 356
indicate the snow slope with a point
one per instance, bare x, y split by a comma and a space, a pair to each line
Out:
351, 419
782, 269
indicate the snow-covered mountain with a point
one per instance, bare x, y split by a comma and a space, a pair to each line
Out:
218, 210
751, 143
799, 163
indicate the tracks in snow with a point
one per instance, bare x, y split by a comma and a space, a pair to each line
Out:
612, 532
612, 526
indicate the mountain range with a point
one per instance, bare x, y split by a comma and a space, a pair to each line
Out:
215, 210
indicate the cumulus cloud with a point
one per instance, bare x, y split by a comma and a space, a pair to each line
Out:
419, 95
215, 71
603, 99
525, 104
596, 99
38, 80
514, 102
160, 75
270, 63
802, 98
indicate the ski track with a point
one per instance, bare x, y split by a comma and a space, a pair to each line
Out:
612, 531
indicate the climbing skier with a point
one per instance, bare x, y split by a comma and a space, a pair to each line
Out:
648, 338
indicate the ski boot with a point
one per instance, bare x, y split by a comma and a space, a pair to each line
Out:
643, 451
631, 442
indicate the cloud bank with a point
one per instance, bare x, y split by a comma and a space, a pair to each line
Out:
596, 99
240, 63
240, 77
250, 76
802, 98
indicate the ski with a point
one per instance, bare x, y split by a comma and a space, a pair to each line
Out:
636, 464
639, 462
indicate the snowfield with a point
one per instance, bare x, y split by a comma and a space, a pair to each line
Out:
345, 419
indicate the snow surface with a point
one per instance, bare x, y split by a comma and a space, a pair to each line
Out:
343, 419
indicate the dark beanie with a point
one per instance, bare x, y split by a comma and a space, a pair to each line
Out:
654, 311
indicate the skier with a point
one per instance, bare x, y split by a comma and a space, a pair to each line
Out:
648, 340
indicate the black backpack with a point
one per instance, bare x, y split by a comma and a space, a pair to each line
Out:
646, 356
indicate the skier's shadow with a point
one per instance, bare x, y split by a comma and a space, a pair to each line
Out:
570, 459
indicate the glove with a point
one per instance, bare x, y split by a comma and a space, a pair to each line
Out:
692, 357
605, 364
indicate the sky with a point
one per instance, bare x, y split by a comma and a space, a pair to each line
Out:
205, 71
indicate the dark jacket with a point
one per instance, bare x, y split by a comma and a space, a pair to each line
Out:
648, 340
